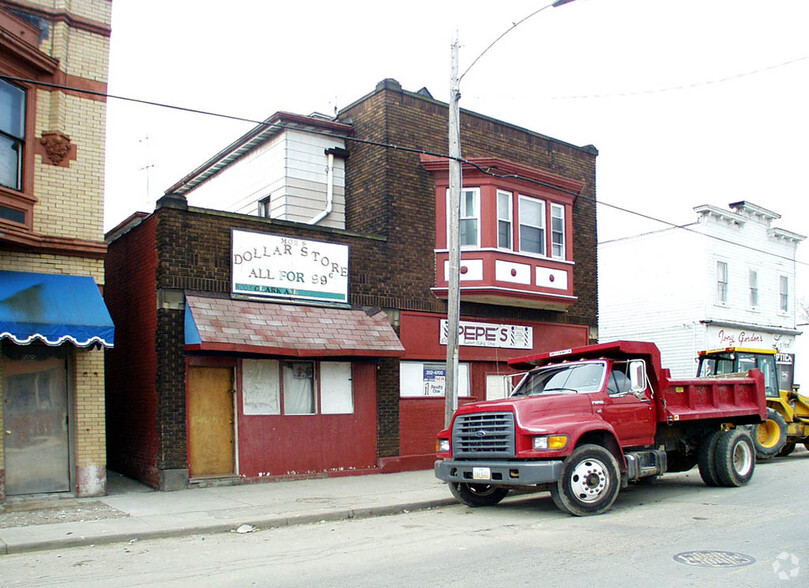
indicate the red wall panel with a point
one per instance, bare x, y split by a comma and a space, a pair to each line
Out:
282, 445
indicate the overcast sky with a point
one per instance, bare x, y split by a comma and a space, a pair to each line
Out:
689, 102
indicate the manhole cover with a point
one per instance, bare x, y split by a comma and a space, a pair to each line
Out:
714, 559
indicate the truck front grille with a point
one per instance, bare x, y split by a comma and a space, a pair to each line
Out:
486, 434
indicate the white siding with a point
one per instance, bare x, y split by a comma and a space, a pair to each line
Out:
290, 168
661, 287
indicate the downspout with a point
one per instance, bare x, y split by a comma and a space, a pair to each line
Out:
330, 153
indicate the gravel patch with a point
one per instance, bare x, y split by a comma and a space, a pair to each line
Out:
59, 511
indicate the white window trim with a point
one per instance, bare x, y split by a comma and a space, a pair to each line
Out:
476, 192
719, 294
544, 252
509, 220
561, 210
783, 292
754, 293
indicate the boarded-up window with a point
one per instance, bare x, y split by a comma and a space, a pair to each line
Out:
336, 390
261, 386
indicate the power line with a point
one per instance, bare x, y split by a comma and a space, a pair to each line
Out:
416, 150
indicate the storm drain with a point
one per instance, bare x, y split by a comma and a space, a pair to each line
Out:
714, 559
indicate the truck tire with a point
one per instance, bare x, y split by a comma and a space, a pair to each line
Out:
478, 494
770, 436
705, 458
789, 447
590, 482
735, 458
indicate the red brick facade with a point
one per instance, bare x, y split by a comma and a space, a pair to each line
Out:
391, 232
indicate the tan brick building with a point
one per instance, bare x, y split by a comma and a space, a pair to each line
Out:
53, 321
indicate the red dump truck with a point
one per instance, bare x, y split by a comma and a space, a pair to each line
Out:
586, 422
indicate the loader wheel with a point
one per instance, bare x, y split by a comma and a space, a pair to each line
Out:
735, 458
590, 482
705, 458
770, 436
477, 494
789, 447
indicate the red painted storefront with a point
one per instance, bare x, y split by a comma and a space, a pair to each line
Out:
420, 418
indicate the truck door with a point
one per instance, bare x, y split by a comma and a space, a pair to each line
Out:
631, 417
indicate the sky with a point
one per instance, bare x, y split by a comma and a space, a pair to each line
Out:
689, 102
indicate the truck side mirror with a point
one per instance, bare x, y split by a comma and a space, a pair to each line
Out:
637, 376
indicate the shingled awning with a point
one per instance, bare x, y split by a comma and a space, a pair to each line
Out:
246, 326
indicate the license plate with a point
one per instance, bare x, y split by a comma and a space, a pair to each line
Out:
481, 474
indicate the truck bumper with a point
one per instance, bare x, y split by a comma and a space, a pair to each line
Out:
500, 473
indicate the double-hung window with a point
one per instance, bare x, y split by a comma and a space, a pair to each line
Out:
783, 294
753, 283
12, 135
504, 220
721, 282
557, 231
470, 218
532, 225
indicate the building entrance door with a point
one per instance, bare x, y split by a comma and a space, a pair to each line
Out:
35, 420
210, 422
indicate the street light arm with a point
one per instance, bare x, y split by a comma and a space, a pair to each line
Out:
511, 28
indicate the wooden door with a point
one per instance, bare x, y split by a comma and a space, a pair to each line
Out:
210, 422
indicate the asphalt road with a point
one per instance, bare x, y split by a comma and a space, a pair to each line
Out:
676, 532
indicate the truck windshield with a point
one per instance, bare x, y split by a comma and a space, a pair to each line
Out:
560, 379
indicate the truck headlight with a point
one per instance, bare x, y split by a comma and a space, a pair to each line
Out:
442, 446
550, 442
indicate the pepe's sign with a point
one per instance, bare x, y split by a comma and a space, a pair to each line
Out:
274, 266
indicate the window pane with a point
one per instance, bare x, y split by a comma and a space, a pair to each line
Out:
10, 162
299, 391
469, 232
784, 293
12, 110
531, 212
532, 240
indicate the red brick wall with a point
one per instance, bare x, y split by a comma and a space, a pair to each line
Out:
130, 367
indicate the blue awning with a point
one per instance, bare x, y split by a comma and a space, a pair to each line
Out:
54, 309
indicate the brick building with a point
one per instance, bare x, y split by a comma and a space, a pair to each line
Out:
280, 312
53, 321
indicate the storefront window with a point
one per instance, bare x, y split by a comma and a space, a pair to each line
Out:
299, 389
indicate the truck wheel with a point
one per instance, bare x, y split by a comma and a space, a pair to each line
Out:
705, 458
770, 436
789, 447
735, 458
590, 482
477, 494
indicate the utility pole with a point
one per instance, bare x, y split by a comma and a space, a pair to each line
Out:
454, 203
453, 239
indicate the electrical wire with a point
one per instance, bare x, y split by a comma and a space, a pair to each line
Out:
488, 171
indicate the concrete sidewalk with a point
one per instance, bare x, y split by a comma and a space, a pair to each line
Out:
141, 513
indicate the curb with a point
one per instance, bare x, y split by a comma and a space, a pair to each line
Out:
260, 524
